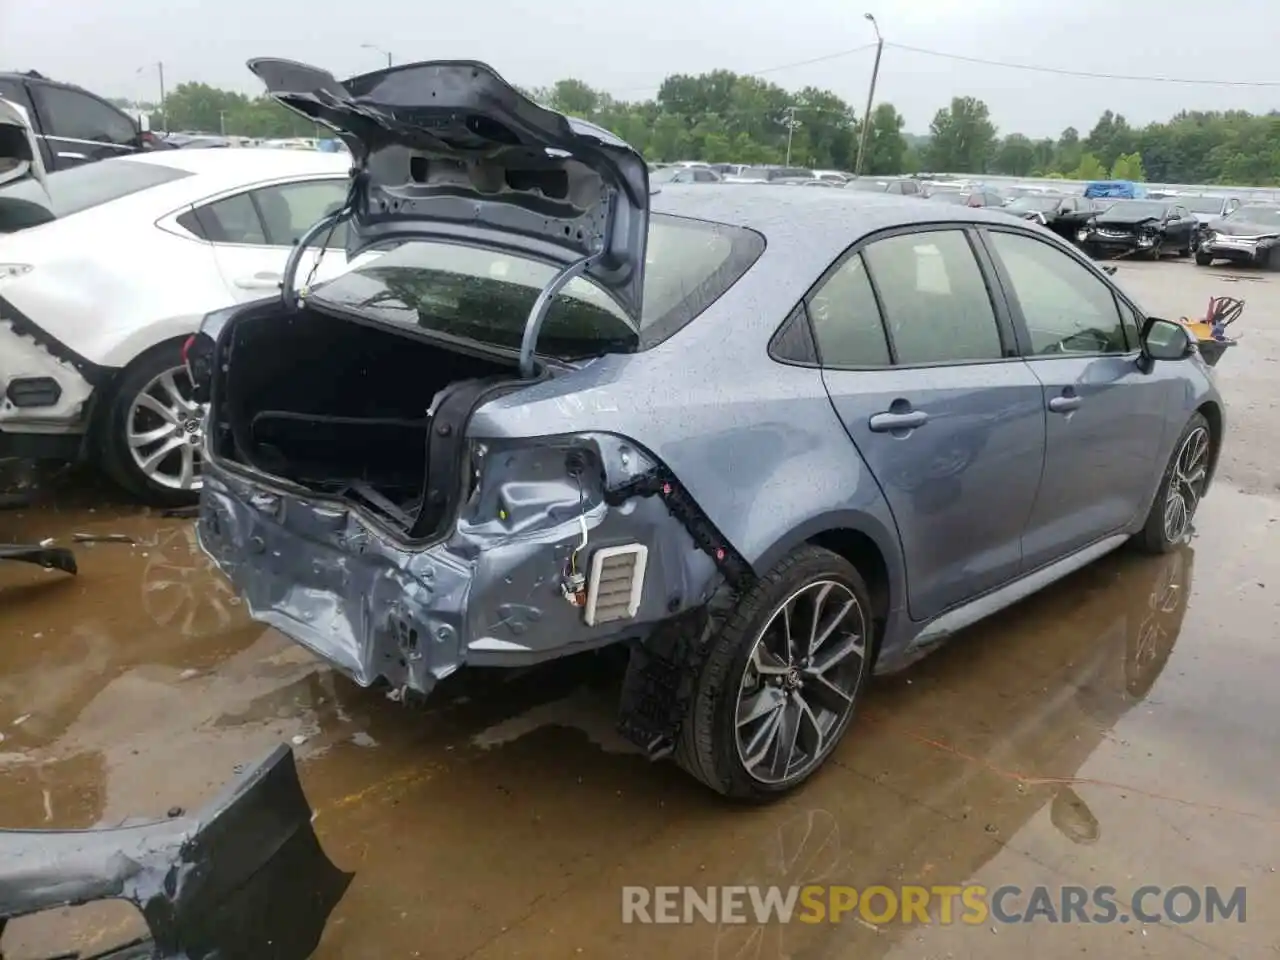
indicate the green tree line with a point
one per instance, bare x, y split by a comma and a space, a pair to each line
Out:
722, 116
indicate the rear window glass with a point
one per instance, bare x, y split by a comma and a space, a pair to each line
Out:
486, 296
90, 185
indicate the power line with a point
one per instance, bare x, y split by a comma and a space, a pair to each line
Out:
1083, 73
782, 66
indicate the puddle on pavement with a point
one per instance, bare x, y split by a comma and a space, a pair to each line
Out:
1116, 729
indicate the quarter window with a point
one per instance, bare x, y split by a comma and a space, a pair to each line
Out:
846, 319
233, 220
935, 301
290, 210
1067, 308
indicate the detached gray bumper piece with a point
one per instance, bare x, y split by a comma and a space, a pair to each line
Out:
244, 879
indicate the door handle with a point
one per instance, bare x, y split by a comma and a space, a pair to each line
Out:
261, 281
887, 422
1064, 404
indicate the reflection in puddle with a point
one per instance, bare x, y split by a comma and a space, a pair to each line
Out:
181, 590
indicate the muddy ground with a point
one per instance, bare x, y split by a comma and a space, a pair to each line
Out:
1119, 729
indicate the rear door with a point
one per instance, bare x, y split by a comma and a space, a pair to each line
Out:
253, 232
921, 365
79, 127
1105, 418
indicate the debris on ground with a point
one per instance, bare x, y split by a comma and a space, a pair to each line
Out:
102, 538
51, 558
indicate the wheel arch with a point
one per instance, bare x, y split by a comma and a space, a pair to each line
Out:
862, 540
1212, 411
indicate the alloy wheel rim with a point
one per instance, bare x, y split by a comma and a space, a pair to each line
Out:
1190, 469
165, 431
800, 680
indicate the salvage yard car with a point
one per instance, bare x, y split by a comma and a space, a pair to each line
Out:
72, 125
771, 440
1148, 228
1249, 234
104, 277
1062, 214
1207, 209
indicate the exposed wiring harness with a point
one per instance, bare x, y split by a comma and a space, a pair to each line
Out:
573, 582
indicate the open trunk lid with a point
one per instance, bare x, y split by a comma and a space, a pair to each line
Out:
448, 150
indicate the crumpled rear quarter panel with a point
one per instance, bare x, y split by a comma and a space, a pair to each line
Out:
490, 594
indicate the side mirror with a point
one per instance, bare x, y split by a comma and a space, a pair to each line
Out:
1165, 340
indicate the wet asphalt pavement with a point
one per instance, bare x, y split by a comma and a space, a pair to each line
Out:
1119, 728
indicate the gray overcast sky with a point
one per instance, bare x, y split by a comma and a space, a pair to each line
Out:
628, 48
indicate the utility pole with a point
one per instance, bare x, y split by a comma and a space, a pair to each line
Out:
871, 95
222, 122
164, 113
791, 129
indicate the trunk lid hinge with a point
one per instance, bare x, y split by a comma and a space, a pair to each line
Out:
538, 312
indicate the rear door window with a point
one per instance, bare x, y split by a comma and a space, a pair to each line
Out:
934, 297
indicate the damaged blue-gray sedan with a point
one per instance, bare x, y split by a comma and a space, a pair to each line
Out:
770, 439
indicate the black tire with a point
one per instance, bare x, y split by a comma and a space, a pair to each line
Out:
113, 427
1203, 259
1156, 535
708, 747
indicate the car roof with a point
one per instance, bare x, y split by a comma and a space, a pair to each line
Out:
810, 223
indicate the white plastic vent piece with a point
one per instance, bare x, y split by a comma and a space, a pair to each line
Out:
616, 583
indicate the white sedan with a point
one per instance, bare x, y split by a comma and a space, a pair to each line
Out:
102, 286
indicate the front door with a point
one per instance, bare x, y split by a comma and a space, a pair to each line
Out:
933, 397
1105, 418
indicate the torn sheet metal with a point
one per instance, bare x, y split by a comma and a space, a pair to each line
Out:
491, 594
51, 558
243, 879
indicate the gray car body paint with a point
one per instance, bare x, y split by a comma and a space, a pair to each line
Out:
757, 444
243, 877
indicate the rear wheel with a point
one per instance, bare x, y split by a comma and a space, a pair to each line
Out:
1172, 515
781, 679
1203, 259
152, 430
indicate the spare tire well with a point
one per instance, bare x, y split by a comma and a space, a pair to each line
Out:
862, 552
